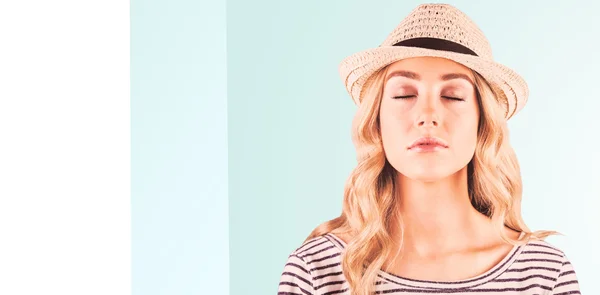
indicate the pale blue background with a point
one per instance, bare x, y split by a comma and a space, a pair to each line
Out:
288, 151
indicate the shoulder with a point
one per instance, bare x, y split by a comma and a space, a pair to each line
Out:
542, 252
543, 248
543, 257
319, 251
313, 266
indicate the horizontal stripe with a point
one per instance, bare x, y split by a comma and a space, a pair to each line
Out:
329, 284
284, 283
326, 266
298, 266
525, 279
328, 275
297, 276
566, 273
307, 244
396, 283
301, 253
336, 292
465, 290
542, 252
538, 260
532, 267
547, 247
318, 251
323, 258
565, 283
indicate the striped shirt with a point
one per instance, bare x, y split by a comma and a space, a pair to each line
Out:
534, 268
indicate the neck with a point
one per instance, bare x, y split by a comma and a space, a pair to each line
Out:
438, 216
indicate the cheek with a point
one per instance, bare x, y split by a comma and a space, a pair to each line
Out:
464, 135
395, 127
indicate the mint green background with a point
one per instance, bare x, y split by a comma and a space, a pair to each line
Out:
179, 148
241, 129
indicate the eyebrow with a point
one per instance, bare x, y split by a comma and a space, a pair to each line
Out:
415, 76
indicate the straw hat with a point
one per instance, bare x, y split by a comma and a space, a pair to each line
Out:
438, 30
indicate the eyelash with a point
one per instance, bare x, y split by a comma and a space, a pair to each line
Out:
447, 97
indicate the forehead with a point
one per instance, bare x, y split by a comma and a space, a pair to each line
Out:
432, 67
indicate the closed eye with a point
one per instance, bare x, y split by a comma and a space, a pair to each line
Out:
446, 97
453, 98
404, 97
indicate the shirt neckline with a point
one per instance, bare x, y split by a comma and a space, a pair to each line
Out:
404, 282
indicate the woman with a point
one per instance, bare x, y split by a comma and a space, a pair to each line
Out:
434, 203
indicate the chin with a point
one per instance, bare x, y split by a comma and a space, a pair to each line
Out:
426, 173
429, 176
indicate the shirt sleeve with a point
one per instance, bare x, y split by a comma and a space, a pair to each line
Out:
296, 278
567, 282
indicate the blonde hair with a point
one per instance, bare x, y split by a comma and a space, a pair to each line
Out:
369, 207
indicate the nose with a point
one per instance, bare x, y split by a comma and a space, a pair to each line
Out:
428, 122
428, 118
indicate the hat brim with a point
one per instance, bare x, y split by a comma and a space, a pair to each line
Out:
355, 70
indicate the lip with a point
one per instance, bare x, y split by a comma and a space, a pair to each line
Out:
428, 143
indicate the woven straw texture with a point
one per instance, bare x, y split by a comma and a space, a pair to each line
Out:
446, 22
